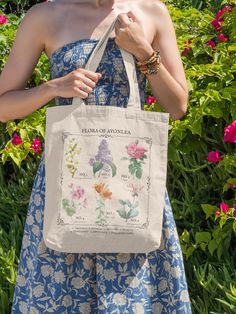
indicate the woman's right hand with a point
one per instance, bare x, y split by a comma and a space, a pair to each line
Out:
78, 83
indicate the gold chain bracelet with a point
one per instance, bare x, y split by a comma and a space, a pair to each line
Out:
150, 66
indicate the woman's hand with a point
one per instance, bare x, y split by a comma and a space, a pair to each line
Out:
130, 36
78, 83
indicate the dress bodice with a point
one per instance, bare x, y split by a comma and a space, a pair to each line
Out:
113, 88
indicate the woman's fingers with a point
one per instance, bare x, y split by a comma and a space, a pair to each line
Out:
89, 74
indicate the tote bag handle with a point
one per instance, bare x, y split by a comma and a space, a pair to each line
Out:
94, 60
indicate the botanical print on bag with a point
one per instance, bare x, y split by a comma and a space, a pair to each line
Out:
104, 195
103, 161
130, 208
77, 200
112, 175
71, 156
137, 154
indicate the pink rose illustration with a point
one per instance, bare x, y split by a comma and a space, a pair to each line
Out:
136, 151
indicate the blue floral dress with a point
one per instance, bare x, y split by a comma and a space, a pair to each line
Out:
54, 282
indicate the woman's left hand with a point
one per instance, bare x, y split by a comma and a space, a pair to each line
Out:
130, 36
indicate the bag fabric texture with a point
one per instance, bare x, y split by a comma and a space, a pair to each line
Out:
105, 172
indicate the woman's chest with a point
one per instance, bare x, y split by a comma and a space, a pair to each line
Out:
76, 23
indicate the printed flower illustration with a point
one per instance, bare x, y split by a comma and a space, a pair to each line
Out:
104, 195
76, 201
71, 156
137, 154
129, 209
135, 188
103, 160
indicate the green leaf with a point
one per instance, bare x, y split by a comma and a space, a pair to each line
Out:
185, 237
202, 236
234, 226
190, 251
222, 222
208, 209
212, 245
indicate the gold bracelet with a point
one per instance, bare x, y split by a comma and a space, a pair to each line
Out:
154, 55
150, 66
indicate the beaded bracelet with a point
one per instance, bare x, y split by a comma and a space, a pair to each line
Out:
150, 66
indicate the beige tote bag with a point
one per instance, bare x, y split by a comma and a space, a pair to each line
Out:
105, 172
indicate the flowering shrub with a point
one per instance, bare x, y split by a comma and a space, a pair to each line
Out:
22, 138
202, 161
202, 157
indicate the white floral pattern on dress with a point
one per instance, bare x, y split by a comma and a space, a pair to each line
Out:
63, 283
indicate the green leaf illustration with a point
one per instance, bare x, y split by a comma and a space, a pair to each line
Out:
113, 169
122, 212
138, 173
97, 166
70, 211
66, 205
122, 202
128, 203
132, 213
65, 202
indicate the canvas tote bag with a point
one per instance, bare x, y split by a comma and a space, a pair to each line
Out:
105, 172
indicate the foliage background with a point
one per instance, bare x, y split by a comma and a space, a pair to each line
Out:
196, 186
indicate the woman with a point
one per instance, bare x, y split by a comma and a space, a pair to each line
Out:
53, 282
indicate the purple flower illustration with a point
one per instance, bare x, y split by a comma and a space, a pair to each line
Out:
103, 159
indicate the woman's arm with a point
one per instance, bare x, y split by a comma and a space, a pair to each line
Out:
16, 101
169, 85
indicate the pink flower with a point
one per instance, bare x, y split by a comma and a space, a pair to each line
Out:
222, 37
16, 139
136, 151
77, 193
36, 145
224, 207
214, 156
211, 43
150, 100
3, 19
216, 24
234, 206
230, 132
217, 212
226, 8
186, 50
